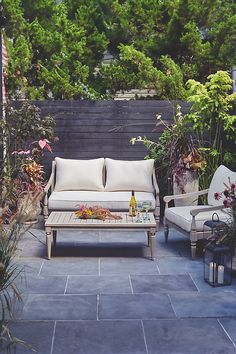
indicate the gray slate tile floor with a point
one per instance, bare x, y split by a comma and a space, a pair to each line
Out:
100, 294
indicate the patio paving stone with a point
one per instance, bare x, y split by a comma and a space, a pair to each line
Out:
60, 307
120, 237
229, 325
77, 236
98, 284
204, 305
135, 306
115, 295
179, 265
127, 266
65, 266
99, 337
42, 285
30, 266
162, 283
202, 286
185, 336
29, 331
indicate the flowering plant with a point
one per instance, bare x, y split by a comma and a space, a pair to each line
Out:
193, 161
229, 195
30, 171
228, 234
95, 212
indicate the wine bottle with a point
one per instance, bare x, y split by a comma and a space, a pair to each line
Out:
132, 205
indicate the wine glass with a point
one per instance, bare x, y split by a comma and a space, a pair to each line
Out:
147, 206
139, 209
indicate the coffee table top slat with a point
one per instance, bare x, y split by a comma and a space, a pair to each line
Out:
68, 219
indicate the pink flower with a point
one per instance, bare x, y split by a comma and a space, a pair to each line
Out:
227, 202
217, 195
21, 152
233, 186
44, 143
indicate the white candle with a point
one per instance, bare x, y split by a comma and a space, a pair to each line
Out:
220, 278
212, 272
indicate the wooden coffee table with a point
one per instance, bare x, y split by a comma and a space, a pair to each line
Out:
59, 220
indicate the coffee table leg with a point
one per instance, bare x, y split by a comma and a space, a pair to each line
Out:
152, 242
54, 234
49, 241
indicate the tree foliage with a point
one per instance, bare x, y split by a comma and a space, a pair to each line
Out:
56, 49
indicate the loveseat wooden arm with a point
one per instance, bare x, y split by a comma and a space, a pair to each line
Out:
49, 185
157, 198
168, 198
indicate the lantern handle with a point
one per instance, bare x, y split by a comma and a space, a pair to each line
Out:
215, 217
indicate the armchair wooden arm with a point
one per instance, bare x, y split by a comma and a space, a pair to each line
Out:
195, 212
168, 198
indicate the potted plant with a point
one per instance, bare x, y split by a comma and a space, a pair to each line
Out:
29, 180
178, 156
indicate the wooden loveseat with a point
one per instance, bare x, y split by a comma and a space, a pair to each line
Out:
104, 182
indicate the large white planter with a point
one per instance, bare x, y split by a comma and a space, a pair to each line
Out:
189, 183
29, 206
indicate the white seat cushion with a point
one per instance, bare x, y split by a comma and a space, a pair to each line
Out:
181, 216
79, 174
70, 200
221, 176
129, 175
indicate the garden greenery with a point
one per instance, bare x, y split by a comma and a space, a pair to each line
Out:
57, 48
213, 121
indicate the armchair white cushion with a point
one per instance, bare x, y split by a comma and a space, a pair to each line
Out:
181, 216
129, 175
191, 219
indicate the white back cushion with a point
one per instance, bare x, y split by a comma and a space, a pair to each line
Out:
220, 177
79, 174
129, 175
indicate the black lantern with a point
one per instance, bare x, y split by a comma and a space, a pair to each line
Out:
213, 227
217, 265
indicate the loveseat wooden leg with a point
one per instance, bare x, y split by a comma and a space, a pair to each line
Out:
193, 249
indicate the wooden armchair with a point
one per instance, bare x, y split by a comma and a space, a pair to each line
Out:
190, 219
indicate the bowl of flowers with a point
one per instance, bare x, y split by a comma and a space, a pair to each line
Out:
95, 212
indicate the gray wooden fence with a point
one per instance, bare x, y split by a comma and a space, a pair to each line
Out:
87, 129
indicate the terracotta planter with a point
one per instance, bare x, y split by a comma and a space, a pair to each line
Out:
189, 183
29, 206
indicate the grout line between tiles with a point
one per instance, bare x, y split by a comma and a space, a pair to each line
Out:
67, 280
53, 337
132, 291
234, 344
98, 298
158, 268
172, 305
194, 282
41, 267
144, 337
